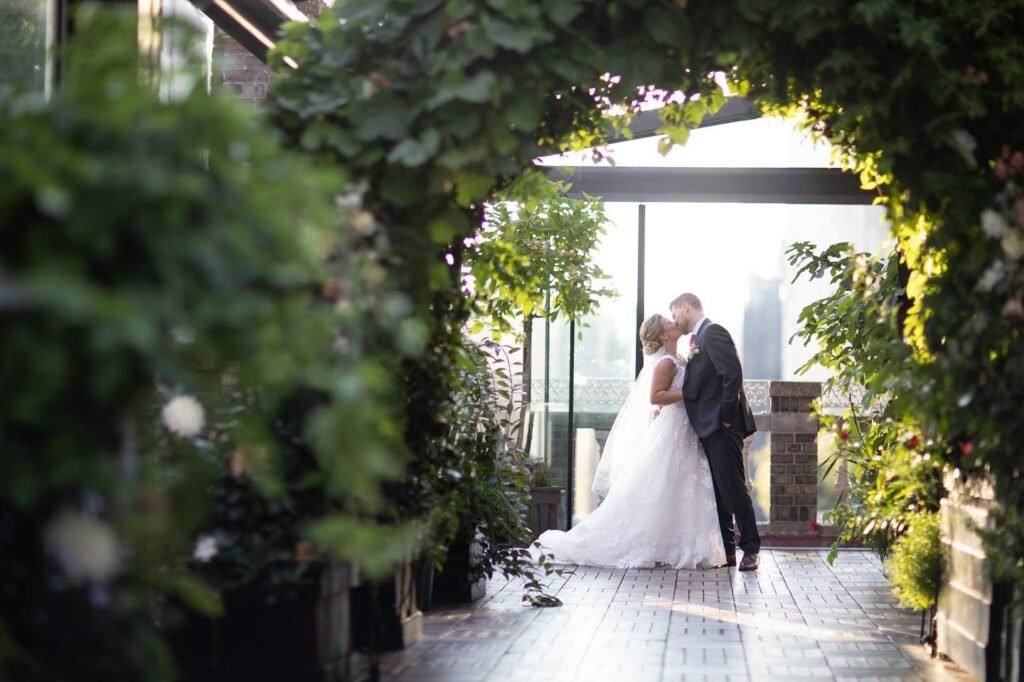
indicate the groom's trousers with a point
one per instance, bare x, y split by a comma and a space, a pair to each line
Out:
724, 450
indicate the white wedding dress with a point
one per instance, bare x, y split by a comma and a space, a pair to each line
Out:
660, 508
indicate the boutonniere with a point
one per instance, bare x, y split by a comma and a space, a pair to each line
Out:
694, 350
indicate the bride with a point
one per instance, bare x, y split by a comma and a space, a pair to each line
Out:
660, 504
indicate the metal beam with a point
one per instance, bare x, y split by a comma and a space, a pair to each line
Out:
253, 23
647, 123
715, 185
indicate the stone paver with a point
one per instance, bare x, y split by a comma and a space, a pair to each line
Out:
797, 618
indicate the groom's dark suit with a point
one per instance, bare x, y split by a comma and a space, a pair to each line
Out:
713, 394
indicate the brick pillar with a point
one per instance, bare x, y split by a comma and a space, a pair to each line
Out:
794, 456
237, 71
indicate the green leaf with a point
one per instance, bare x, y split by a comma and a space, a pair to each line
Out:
562, 12
471, 187
511, 36
387, 120
197, 594
476, 88
524, 113
416, 152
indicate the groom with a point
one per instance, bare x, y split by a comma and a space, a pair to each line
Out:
719, 413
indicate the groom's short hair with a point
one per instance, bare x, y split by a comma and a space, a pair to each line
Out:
687, 298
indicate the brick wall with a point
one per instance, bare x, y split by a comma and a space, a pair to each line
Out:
237, 71
794, 456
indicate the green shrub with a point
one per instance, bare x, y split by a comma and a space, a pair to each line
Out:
916, 566
153, 250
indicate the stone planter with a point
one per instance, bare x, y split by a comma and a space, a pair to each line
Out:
543, 514
303, 639
977, 625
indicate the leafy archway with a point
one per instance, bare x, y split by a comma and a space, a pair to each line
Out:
437, 104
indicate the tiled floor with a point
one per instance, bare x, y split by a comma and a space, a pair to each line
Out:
797, 618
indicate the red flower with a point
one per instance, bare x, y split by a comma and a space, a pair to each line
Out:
844, 434
966, 448
455, 30
815, 526
912, 442
381, 80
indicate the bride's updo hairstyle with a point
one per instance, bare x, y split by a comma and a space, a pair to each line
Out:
650, 333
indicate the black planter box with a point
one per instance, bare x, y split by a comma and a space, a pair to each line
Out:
453, 585
305, 639
385, 615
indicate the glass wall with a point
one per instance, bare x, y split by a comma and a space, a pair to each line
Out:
731, 255
26, 32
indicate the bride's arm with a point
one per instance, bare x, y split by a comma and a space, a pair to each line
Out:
660, 393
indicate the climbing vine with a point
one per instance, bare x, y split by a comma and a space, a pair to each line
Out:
436, 104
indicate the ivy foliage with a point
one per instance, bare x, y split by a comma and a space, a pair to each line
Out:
917, 566
150, 249
437, 103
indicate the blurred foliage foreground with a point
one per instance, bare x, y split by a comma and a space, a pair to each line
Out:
188, 397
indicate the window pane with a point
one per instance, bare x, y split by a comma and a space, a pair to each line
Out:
24, 37
733, 256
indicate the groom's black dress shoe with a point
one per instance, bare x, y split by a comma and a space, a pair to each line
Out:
730, 560
749, 562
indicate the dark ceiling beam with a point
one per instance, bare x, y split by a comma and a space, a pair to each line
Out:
646, 123
253, 23
715, 185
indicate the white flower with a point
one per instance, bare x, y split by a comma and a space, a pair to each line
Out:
993, 224
993, 276
206, 548
363, 223
965, 144
183, 416
85, 547
694, 352
183, 335
1013, 244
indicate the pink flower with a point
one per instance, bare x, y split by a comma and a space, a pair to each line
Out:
1001, 170
381, 80
966, 448
455, 30
912, 442
1013, 310
1017, 161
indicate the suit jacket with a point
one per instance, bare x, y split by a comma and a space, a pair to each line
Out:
713, 386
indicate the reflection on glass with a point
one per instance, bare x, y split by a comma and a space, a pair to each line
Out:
25, 34
734, 257
604, 367
606, 353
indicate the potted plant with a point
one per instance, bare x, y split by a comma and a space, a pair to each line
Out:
545, 497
